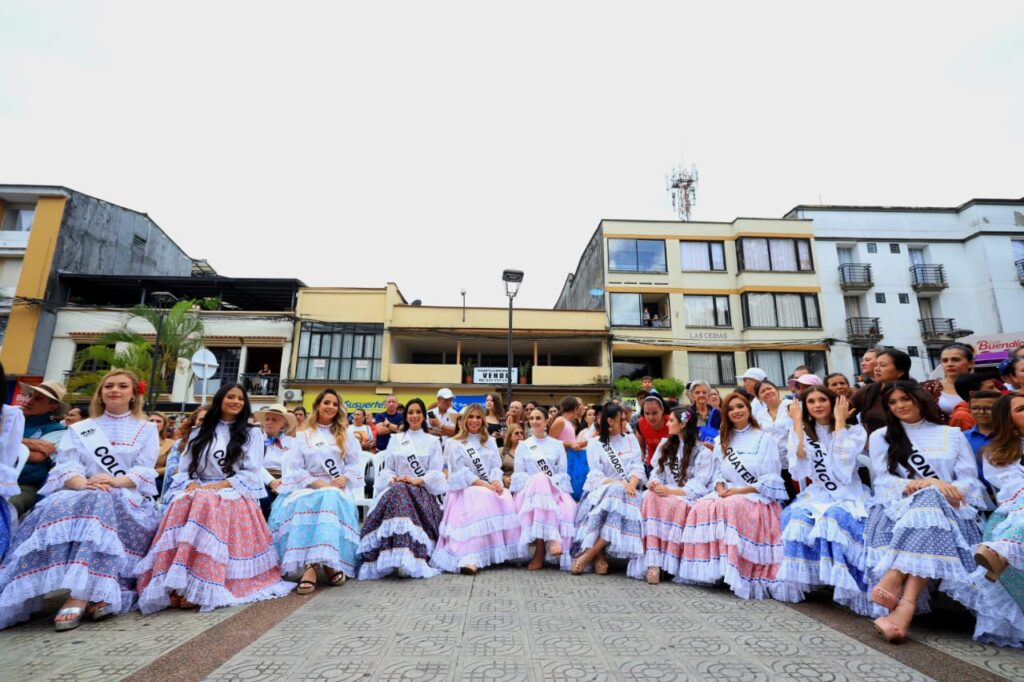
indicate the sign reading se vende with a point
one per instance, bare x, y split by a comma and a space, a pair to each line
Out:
494, 375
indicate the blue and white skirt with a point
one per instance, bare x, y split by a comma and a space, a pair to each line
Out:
315, 526
608, 512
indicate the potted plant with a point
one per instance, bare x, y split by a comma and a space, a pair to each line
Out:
524, 370
467, 370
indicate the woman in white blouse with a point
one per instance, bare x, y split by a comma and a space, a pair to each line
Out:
543, 496
774, 419
97, 519
402, 530
314, 520
734, 533
608, 519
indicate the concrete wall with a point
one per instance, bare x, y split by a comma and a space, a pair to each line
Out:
575, 294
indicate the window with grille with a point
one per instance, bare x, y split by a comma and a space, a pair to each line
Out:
339, 352
788, 311
717, 369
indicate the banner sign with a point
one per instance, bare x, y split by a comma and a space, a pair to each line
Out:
494, 375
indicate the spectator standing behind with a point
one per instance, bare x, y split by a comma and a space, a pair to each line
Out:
749, 381
73, 416
890, 365
300, 419
43, 409
957, 359
160, 419
966, 384
839, 385
361, 430
264, 374
715, 400
514, 416
651, 428
709, 417
980, 435
1013, 373
647, 385
867, 367
388, 422
563, 428
443, 418
513, 436
184, 431
494, 421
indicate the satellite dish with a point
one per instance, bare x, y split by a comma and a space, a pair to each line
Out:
204, 364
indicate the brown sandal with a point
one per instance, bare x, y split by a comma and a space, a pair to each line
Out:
994, 564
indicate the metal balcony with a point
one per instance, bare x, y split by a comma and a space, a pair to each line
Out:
1020, 271
928, 277
855, 277
938, 329
863, 329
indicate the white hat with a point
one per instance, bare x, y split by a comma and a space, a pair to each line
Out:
281, 411
445, 394
755, 373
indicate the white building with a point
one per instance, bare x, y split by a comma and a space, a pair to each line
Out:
917, 278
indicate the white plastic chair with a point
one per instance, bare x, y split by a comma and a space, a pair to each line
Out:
363, 502
18, 466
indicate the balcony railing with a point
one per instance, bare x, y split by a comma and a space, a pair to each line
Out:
261, 384
935, 329
928, 277
855, 277
863, 329
1020, 271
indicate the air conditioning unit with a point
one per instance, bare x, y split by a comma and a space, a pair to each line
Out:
293, 395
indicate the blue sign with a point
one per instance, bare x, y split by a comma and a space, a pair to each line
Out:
460, 401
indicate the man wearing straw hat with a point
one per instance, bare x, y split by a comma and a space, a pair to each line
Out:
276, 422
43, 408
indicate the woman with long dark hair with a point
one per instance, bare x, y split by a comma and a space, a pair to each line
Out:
543, 496
12, 429
734, 533
213, 547
956, 359
97, 518
774, 419
495, 418
923, 521
480, 526
314, 520
608, 519
682, 473
1002, 552
402, 530
823, 529
890, 365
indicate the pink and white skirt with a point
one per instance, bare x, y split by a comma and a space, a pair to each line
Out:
548, 513
664, 519
479, 528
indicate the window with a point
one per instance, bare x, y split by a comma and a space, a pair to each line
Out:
636, 367
18, 218
894, 248
912, 351
702, 256
872, 247
879, 298
781, 310
707, 311
778, 365
639, 310
3, 329
637, 255
904, 298
774, 255
139, 242
717, 369
1018, 249
339, 352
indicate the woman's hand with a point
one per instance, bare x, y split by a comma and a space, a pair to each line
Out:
630, 488
194, 485
723, 490
953, 495
340, 482
275, 484
76, 483
497, 487
841, 412
104, 482
796, 411
317, 484
416, 481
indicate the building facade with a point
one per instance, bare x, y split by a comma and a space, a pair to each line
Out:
918, 278
702, 300
48, 230
368, 343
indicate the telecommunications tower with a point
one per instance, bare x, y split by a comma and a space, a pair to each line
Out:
681, 186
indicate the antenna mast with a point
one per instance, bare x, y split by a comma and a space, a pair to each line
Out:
681, 186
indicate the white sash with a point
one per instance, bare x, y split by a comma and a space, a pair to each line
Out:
918, 463
733, 458
325, 451
410, 456
541, 463
614, 460
475, 459
821, 474
99, 447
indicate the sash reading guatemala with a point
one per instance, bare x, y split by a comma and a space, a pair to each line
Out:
414, 463
96, 442
540, 460
734, 459
475, 459
326, 456
820, 467
614, 460
920, 466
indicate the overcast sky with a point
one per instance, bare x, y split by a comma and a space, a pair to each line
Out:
435, 143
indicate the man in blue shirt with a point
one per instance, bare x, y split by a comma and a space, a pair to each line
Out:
387, 422
980, 434
43, 409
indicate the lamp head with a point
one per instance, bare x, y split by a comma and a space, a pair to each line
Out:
512, 279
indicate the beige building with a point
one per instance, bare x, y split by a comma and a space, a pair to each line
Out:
703, 300
368, 343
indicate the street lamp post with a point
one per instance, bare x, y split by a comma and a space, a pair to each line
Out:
161, 297
512, 279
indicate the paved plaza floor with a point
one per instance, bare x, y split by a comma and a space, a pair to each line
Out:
505, 624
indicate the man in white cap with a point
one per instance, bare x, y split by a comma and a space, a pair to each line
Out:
443, 418
43, 408
750, 379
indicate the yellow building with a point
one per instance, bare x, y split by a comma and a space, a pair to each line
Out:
367, 343
704, 300
48, 230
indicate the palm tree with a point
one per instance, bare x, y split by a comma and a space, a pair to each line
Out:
92, 362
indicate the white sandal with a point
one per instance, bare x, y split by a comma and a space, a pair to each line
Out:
71, 623
96, 614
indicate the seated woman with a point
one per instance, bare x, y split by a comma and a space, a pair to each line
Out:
823, 529
1002, 552
682, 473
734, 533
12, 427
923, 519
608, 519
97, 518
480, 526
543, 496
402, 530
314, 520
213, 547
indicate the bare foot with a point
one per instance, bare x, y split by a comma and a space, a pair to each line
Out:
536, 563
555, 548
601, 566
